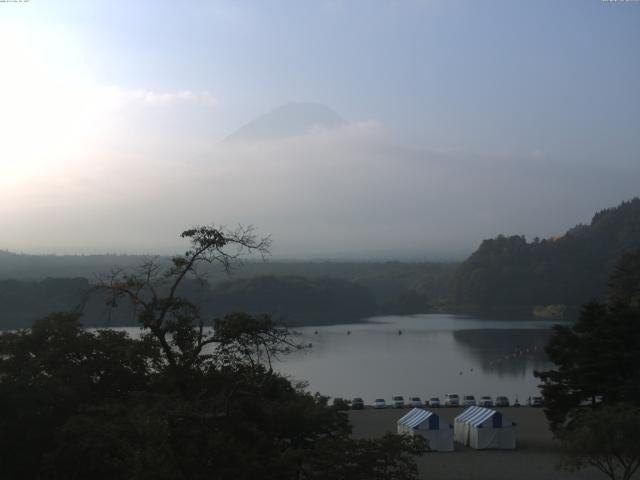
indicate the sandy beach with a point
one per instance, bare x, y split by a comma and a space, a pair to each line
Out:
536, 455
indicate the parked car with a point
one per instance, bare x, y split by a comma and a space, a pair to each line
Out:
486, 401
502, 401
433, 402
357, 403
379, 403
415, 402
451, 400
398, 401
535, 402
468, 401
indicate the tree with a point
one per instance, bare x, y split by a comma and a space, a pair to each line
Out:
607, 439
242, 338
389, 457
597, 358
182, 402
154, 291
624, 283
567, 270
49, 372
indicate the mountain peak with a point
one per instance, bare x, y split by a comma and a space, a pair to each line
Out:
288, 120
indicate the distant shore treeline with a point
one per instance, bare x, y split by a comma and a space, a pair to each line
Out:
504, 276
297, 292
293, 300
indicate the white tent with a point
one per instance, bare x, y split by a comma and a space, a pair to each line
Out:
483, 428
438, 434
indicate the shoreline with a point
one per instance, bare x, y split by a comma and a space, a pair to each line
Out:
536, 456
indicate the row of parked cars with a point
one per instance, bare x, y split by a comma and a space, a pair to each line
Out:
450, 400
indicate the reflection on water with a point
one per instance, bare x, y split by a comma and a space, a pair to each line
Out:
506, 352
425, 355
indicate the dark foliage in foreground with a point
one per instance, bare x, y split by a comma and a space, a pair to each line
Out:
597, 358
78, 404
592, 398
180, 403
606, 438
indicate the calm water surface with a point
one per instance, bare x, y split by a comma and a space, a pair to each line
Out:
420, 355
433, 355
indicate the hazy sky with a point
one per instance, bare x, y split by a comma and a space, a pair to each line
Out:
467, 119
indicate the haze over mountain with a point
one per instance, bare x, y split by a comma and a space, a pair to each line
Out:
349, 191
463, 123
288, 120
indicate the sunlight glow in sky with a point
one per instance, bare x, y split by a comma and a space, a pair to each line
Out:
466, 119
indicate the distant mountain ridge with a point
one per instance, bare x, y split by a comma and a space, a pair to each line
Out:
569, 270
288, 120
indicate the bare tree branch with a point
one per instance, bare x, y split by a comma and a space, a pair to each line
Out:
153, 289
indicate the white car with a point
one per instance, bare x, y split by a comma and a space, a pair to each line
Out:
486, 401
379, 403
468, 401
535, 402
451, 400
415, 402
434, 402
398, 401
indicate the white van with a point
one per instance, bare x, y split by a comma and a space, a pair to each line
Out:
451, 400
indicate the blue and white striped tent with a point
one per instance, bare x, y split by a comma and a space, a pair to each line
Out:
438, 434
482, 428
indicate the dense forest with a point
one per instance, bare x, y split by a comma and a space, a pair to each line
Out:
504, 274
295, 292
292, 300
568, 270
178, 402
297, 300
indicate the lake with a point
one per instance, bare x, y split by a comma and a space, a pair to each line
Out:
433, 355
420, 355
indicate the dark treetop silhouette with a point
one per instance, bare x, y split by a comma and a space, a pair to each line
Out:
178, 403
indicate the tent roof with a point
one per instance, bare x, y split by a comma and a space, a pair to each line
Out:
475, 416
415, 417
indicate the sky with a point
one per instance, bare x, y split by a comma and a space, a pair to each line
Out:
465, 120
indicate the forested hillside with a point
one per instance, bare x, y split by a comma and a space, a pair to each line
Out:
569, 270
297, 300
291, 300
298, 291
504, 273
